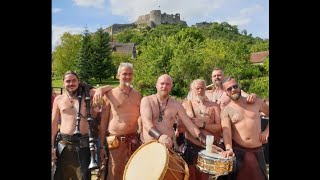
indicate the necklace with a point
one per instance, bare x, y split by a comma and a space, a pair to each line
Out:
161, 111
200, 106
216, 95
71, 100
124, 92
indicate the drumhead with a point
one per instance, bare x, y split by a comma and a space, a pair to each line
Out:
149, 161
212, 155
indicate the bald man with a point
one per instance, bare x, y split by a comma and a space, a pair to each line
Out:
159, 112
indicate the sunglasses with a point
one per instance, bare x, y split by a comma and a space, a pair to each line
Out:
236, 86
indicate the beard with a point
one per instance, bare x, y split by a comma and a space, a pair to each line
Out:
163, 94
72, 93
200, 98
217, 83
127, 84
235, 96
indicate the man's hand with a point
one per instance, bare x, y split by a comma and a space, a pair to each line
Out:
53, 155
251, 98
228, 153
97, 98
263, 137
166, 140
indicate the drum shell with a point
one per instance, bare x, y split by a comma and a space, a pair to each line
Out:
214, 165
175, 167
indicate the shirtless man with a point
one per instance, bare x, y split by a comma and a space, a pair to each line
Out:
71, 147
242, 134
159, 112
206, 116
218, 95
119, 122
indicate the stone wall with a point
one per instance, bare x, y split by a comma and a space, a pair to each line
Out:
152, 19
155, 17
116, 28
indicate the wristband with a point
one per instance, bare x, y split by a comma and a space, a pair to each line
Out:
154, 132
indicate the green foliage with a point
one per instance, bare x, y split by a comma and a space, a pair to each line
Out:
66, 54
182, 52
164, 30
260, 86
260, 45
86, 55
153, 62
130, 35
101, 64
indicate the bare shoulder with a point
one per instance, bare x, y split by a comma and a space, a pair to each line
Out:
59, 97
225, 111
136, 93
176, 104
146, 98
185, 102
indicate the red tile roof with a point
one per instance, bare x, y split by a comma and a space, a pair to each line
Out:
258, 57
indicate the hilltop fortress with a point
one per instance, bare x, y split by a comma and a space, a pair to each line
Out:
152, 19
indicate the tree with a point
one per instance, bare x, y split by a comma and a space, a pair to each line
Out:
101, 64
66, 54
85, 58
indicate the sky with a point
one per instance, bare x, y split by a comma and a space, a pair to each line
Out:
74, 15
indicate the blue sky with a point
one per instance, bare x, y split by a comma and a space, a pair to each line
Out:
73, 15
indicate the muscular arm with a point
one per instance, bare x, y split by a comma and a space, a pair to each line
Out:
105, 115
226, 128
99, 92
55, 116
146, 114
265, 109
216, 127
191, 127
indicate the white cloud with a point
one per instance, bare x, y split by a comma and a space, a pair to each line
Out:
188, 9
57, 32
251, 10
56, 10
239, 21
89, 3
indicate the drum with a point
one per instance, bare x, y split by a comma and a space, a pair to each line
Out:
154, 161
213, 163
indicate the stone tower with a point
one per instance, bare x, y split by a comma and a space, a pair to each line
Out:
155, 17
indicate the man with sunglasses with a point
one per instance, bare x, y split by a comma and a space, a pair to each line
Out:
242, 133
218, 95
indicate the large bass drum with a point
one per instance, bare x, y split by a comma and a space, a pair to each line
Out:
153, 161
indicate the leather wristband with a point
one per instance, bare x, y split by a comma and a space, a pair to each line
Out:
202, 138
154, 132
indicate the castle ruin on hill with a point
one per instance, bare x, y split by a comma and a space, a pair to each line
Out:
152, 19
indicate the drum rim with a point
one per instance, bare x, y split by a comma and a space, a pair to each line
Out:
137, 150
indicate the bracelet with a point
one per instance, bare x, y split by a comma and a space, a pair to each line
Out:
154, 132
229, 149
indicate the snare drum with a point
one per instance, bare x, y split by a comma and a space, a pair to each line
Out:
154, 161
213, 163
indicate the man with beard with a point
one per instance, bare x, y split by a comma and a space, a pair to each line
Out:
242, 134
119, 122
206, 115
71, 153
159, 112
218, 95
